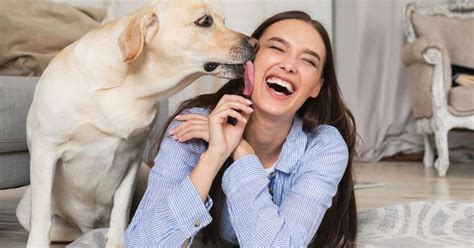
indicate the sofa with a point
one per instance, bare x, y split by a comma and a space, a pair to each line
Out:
16, 95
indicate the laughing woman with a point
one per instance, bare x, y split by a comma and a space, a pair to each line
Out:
280, 175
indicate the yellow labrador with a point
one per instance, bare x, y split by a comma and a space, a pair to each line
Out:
93, 107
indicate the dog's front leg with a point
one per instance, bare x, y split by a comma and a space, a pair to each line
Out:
121, 207
42, 165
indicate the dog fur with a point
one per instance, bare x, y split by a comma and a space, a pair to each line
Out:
93, 107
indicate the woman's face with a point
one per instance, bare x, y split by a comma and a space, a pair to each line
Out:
288, 67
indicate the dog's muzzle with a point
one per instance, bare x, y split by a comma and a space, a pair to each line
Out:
242, 52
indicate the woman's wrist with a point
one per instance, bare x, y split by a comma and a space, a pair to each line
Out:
243, 149
212, 160
204, 173
238, 155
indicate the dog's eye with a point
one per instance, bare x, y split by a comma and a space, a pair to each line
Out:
205, 21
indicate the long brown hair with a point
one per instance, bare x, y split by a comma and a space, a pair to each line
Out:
339, 225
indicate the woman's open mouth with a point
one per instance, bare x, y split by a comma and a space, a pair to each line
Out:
279, 87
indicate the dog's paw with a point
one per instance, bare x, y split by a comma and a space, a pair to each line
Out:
114, 244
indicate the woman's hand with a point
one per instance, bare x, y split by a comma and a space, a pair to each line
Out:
196, 126
227, 137
223, 136
193, 126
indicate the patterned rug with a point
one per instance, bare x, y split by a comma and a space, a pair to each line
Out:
418, 224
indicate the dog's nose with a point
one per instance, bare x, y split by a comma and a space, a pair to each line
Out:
253, 43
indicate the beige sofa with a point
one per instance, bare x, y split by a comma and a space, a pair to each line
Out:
16, 94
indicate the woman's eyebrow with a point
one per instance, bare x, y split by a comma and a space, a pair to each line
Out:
307, 50
278, 39
313, 53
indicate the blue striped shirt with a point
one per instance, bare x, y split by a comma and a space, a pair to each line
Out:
308, 171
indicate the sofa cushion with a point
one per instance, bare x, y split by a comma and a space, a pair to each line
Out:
34, 31
456, 33
16, 94
14, 169
461, 100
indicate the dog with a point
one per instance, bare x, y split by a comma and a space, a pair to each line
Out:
93, 106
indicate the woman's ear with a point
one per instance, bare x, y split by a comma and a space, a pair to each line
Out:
132, 39
316, 89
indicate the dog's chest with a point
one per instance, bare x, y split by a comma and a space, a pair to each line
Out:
90, 171
90, 141
126, 118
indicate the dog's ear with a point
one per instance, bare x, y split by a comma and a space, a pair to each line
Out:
132, 39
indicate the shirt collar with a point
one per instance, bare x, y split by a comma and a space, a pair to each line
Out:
293, 148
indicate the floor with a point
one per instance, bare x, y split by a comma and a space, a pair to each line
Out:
379, 184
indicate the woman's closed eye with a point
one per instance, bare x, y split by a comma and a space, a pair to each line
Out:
276, 48
310, 62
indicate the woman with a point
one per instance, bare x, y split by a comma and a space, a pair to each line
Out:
281, 175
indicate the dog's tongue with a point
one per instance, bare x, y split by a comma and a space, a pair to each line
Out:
248, 78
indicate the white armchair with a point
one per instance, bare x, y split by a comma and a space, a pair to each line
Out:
439, 36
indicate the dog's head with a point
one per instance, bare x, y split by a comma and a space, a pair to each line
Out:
186, 36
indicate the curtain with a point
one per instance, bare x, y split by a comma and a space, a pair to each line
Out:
369, 36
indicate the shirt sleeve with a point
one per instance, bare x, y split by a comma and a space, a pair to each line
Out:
257, 221
171, 210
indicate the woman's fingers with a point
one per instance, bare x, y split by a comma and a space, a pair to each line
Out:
234, 102
223, 137
192, 126
222, 115
233, 98
185, 124
236, 106
190, 131
192, 134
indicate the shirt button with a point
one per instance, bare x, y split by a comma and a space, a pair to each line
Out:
197, 223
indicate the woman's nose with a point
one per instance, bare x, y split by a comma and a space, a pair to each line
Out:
288, 66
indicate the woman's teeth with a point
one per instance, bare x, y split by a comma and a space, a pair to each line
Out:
280, 86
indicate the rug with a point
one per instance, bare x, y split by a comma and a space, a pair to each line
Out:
418, 224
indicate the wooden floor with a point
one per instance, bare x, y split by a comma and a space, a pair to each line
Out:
380, 184
409, 182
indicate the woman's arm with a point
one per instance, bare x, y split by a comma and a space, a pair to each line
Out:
173, 208
257, 221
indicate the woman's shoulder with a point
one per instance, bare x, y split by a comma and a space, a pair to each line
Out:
325, 145
327, 137
196, 146
326, 132
196, 110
